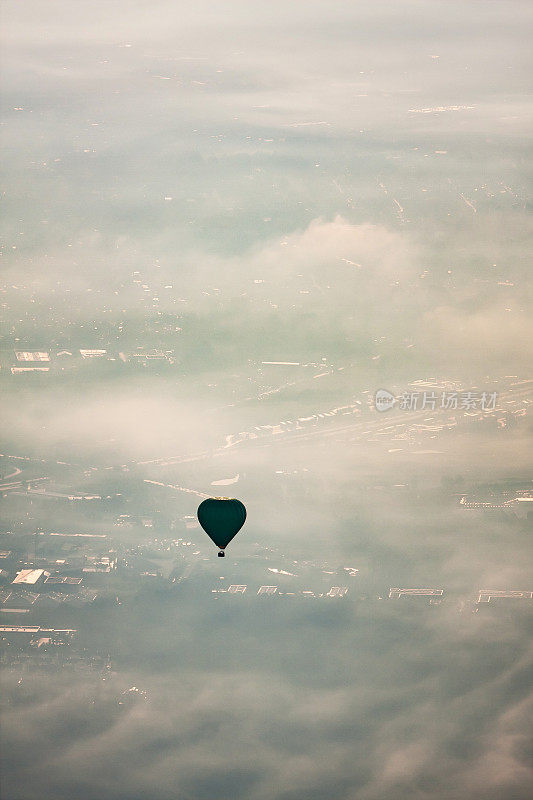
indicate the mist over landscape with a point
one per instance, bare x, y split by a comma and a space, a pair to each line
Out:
225, 228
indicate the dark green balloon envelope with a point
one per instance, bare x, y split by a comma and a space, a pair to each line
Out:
221, 518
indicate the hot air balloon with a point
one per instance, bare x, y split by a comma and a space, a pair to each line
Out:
221, 518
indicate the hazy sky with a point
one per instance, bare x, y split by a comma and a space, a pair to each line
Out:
338, 182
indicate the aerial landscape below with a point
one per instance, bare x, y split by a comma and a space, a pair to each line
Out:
265, 360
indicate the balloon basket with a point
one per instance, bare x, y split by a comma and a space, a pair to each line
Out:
221, 554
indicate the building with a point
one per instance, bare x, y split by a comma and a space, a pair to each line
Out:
93, 353
102, 565
17, 370
337, 591
486, 595
22, 635
24, 355
395, 594
30, 578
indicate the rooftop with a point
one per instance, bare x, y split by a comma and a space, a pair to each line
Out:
28, 576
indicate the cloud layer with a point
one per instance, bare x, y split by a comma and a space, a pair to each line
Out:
337, 184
